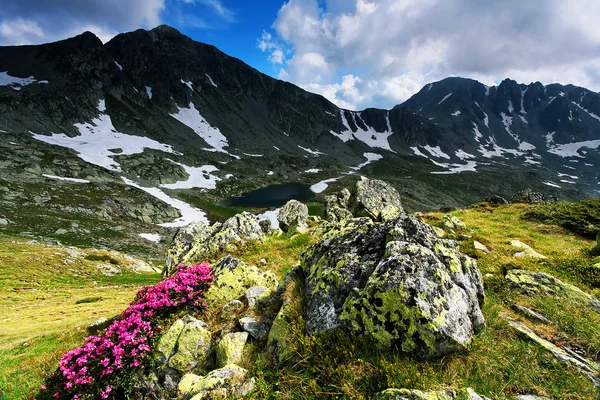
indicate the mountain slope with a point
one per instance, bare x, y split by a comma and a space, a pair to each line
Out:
154, 118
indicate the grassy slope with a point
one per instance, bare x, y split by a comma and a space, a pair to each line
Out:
40, 319
499, 365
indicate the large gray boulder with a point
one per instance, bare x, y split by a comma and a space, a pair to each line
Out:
293, 216
197, 241
397, 282
375, 199
336, 206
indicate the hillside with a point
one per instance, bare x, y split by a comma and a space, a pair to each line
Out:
533, 329
153, 130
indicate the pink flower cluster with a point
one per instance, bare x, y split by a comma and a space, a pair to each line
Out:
127, 341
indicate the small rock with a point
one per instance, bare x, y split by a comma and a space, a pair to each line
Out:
529, 397
254, 328
232, 306
99, 324
527, 251
193, 347
451, 222
3, 222
336, 206
61, 231
231, 348
254, 293
530, 314
265, 226
222, 382
263, 261
293, 216
481, 247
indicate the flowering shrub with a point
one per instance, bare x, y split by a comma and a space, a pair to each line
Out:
102, 366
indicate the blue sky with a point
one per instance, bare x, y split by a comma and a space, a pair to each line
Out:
356, 53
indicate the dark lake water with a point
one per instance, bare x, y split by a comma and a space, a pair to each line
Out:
271, 196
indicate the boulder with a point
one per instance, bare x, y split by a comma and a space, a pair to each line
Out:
167, 344
293, 216
397, 282
197, 241
336, 206
450, 222
375, 199
193, 347
496, 200
410, 394
231, 348
220, 383
234, 277
253, 327
528, 196
280, 335
526, 250
533, 283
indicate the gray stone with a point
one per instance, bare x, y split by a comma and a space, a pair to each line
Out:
451, 222
529, 397
193, 347
254, 293
526, 250
3, 222
395, 281
253, 327
220, 383
481, 247
336, 206
231, 348
293, 216
61, 231
375, 199
530, 314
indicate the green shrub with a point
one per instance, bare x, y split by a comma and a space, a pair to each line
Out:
582, 218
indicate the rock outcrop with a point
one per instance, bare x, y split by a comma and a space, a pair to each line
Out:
233, 278
395, 281
197, 241
528, 196
374, 199
293, 216
336, 206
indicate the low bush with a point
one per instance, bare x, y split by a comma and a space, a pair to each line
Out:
102, 368
582, 218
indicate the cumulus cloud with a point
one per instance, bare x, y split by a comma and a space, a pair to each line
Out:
41, 21
363, 53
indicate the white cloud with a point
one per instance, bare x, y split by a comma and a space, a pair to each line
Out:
20, 31
276, 56
391, 48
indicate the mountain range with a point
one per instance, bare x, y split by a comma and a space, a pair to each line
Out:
154, 127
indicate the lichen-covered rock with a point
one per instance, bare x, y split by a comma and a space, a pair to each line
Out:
481, 247
280, 334
231, 348
253, 327
232, 307
450, 222
197, 241
234, 277
293, 216
397, 282
167, 344
225, 381
193, 347
528, 196
410, 394
533, 283
526, 250
336, 206
375, 199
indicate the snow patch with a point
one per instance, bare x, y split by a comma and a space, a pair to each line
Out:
188, 84
370, 158
191, 117
477, 132
252, 155
61, 178
436, 151
270, 215
16, 83
456, 113
149, 92
189, 214
321, 186
153, 237
119, 66
571, 149
97, 137
591, 114
456, 168
312, 171
199, 177
276, 148
445, 98
418, 152
211, 81
567, 176
270, 173
463, 155
523, 100
370, 136
551, 184
313, 152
